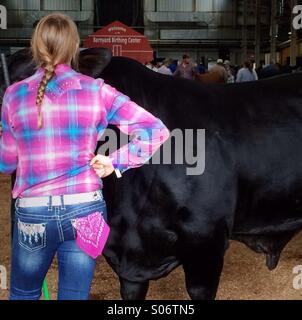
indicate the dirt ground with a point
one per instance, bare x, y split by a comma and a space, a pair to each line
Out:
244, 276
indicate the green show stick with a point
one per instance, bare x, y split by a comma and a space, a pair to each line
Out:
45, 290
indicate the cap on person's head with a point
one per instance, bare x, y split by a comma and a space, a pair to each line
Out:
219, 61
185, 56
227, 62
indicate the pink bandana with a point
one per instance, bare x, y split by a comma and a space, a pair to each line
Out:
92, 233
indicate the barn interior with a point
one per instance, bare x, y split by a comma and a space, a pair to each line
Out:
205, 29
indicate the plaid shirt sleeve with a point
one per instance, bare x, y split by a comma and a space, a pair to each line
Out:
8, 145
148, 132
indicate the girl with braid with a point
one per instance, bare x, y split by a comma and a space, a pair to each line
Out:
51, 122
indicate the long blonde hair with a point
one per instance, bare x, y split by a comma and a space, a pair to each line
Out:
55, 40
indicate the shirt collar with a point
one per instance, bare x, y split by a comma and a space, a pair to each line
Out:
65, 78
60, 69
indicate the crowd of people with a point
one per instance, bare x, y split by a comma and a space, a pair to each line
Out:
219, 72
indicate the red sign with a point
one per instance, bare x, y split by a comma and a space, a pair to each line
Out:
122, 40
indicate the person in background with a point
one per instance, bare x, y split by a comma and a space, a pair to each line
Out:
164, 68
173, 65
270, 70
246, 73
185, 69
218, 71
201, 68
228, 68
260, 68
151, 65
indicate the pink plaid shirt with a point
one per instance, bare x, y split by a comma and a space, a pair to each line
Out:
76, 111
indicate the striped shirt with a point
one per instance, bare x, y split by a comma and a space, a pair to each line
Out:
76, 110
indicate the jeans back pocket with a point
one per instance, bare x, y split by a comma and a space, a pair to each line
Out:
31, 236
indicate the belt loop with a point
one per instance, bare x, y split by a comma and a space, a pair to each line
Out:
50, 203
62, 202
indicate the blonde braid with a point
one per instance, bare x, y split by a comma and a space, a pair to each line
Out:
48, 74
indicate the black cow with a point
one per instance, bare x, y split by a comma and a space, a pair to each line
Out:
251, 189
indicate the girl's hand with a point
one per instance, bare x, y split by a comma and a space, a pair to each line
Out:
102, 165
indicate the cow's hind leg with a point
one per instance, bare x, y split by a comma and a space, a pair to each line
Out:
202, 263
133, 290
202, 267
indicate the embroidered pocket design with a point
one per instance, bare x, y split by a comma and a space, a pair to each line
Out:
92, 233
32, 236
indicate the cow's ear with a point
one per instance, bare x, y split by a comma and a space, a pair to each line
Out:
93, 61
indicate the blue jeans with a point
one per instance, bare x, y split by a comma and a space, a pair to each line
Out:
39, 234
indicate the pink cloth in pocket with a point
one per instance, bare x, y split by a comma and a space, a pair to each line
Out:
92, 233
